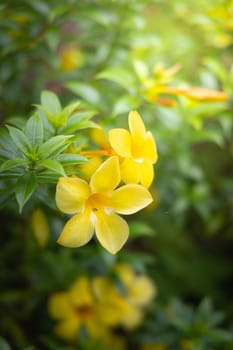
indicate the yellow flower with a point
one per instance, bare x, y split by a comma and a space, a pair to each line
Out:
96, 205
137, 149
70, 58
75, 308
40, 227
124, 306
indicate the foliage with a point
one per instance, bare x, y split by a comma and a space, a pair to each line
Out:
70, 75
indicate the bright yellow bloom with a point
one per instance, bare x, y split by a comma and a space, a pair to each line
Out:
137, 149
96, 205
75, 308
124, 306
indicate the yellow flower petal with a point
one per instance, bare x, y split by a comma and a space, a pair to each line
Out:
109, 300
71, 194
60, 306
120, 140
131, 198
111, 230
80, 292
132, 316
203, 94
142, 291
146, 173
125, 273
68, 328
40, 227
129, 171
77, 231
107, 176
136, 126
149, 149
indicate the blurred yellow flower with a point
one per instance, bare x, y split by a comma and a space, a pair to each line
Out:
156, 88
75, 308
40, 227
197, 93
137, 150
186, 344
96, 205
70, 58
124, 306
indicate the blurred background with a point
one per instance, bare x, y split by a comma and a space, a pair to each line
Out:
173, 62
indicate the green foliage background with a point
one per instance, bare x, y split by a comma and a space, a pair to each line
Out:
184, 242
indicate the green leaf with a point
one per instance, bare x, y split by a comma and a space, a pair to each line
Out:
5, 196
20, 140
67, 111
48, 177
50, 102
7, 147
126, 103
53, 146
13, 163
78, 121
4, 345
121, 76
87, 92
54, 165
71, 159
24, 188
34, 130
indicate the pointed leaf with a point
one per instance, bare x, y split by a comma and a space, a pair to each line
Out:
121, 76
24, 188
50, 102
79, 120
54, 165
53, 146
20, 140
13, 163
87, 92
71, 159
67, 111
34, 130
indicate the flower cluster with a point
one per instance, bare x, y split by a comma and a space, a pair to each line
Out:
99, 304
96, 205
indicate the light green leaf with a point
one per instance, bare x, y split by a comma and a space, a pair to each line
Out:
67, 159
24, 188
34, 130
13, 163
126, 103
53, 146
119, 75
68, 110
54, 165
51, 102
20, 140
87, 92
79, 120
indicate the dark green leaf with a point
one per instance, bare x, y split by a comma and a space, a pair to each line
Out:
53, 146
71, 159
34, 130
54, 165
4, 345
20, 140
13, 163
24, 188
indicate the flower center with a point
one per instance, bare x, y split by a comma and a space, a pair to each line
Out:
84, 311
